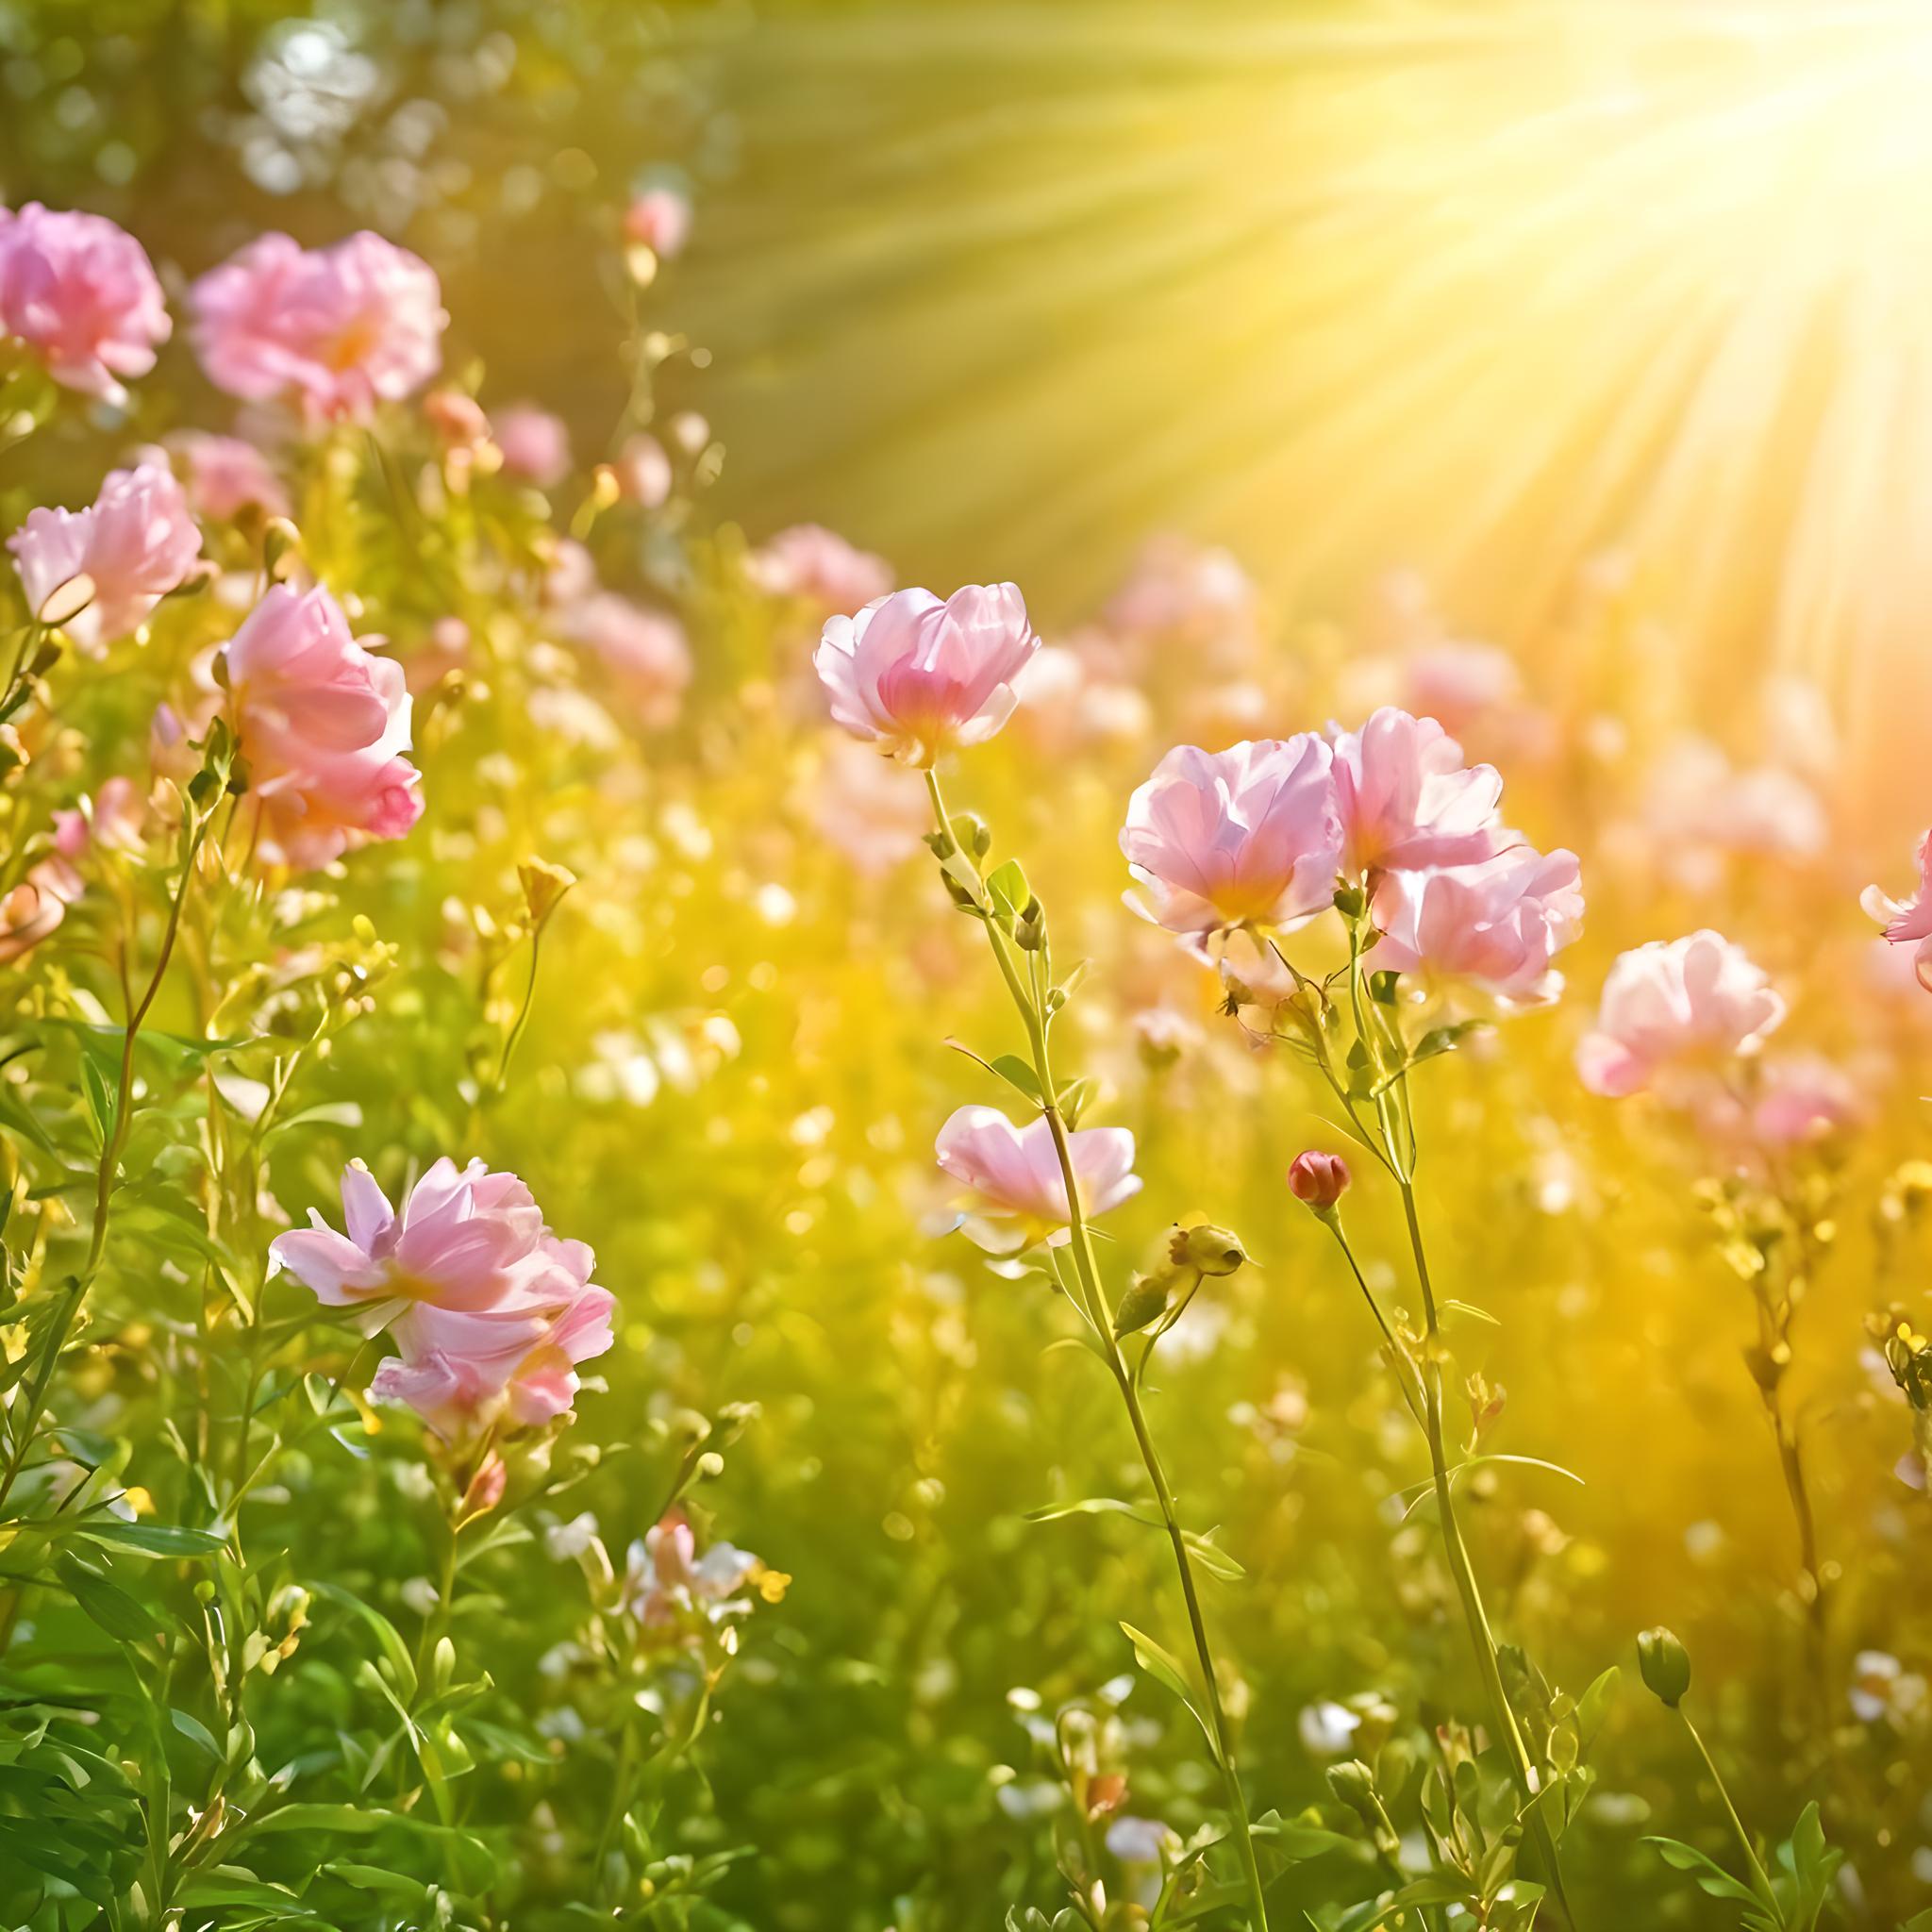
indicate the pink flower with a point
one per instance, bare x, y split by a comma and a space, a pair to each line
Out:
1805, 1099
643, 650
491, 1312
1688, 1004
1493, 926
659, 220
644, 473
1014, 1174
136, 542
322, 724
226, 475
918, 677
1908, 921
1179, 593
867, 810
1318, 1180
82, 294
1462, 684
1244, 837
666, 1581
500, 1368
1406, 798
335, 330
818, 566
115, 821
535, 444
33, 911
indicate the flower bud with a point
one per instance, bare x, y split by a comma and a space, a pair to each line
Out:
543, 885
1665, 1665
1211, 1250
1318, 1180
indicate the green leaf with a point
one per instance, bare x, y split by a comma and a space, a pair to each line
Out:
1212, 1558
1017, 1073
197, 1733
1713, 1879
1007, 885
474, 1864
114, 1609
1092, 1506
396, 1651
151, 1538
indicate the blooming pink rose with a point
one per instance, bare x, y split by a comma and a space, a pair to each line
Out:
659, 220
322, 724
468, 1245
535, 444
1493, 926
1676, 1005
82, 294
226, 475
643, 650
1014, 1174
1908, 921
1247, 836
918, 677
818, 566
481, 1367
136, 542
336, 330
1406, 798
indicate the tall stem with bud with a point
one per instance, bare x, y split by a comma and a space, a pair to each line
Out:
1021, 959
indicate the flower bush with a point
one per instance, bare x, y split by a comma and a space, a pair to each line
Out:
481, 954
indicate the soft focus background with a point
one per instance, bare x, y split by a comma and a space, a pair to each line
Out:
1596, 335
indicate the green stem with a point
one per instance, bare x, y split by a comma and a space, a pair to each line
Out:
1760, 1880
1088, 1271
1482, 1638
109, 1170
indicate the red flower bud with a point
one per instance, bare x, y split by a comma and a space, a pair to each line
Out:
1317, 1179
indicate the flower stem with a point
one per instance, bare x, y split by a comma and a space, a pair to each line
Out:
1760, 1881
1087, 1270
108, 1173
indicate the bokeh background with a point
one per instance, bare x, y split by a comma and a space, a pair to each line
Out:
1609, 325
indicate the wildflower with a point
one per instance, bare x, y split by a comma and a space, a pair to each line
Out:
918, 677
534, 442
667, 1582
659, 220
82, 294
322, 724
114, 821
818, 566
1406, 799
1883, 1691
1492, 926
865, 810
1014, 1174
1461, 685
1318, 1180
643, 650
1806, 1099
1676, 1004
134, 544
33, 911
1244, 837
1180, 594
333, 330
227, 475
1908, 921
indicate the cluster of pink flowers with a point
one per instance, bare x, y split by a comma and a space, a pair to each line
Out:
322, 724
1013, 1176
82, 295
134, 544
1260, 837
490, 1311
334, 331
